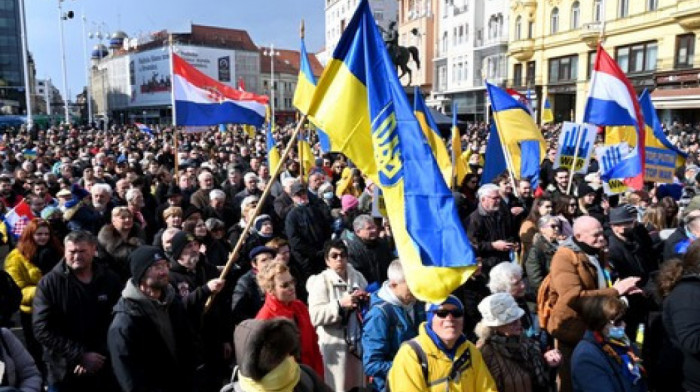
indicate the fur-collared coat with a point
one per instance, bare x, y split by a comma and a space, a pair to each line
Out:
115, 250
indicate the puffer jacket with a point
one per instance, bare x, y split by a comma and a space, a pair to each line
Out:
406, 374
573, 276
383, 333
26, 275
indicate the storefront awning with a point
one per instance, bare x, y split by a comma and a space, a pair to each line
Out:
681, 98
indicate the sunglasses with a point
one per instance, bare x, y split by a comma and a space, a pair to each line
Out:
288, 284
442, 313
338, 255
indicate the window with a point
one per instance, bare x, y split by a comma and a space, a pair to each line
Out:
554, 21
444, 42
530, 29
563, 69
575, 15
597, 11
652, 5
518, 26
454, 36
461, 34
624, 9
517, 75
685, 50
442, 77
591, 62
637, 58
454, 73
530, 74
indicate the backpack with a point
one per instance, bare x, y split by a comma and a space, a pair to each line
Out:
355, 327
460, 365
546, 299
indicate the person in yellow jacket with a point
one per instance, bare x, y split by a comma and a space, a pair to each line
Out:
440, 358
37, 252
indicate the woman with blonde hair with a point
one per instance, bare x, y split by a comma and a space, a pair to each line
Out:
281, 301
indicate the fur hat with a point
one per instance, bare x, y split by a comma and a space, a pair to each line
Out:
261, 345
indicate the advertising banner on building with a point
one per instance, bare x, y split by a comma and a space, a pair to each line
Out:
149, 71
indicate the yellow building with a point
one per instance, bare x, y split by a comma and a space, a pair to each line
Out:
553, 42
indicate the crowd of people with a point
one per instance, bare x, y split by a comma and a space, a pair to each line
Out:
117, 247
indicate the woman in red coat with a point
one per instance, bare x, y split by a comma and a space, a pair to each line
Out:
281, 301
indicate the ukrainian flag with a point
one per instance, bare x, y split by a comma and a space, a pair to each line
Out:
459, 166
273, 153
547, 114
306, 158
367, 116
432, 134
656, 143
522, 141
306, 84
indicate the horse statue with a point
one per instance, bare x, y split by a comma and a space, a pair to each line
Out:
400, 55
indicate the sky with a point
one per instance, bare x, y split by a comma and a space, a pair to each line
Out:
267, 21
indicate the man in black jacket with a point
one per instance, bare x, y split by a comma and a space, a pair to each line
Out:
248, 297
72, 311
151, 342
369, 254
307, 229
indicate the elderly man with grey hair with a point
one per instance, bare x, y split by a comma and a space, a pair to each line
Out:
219, 209
393, 318
283, 203
491, 230
367, 252
101, 197
200, 198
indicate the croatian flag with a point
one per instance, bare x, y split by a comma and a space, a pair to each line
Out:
201, 100
612, 102
145, 129
524, 99
18, 218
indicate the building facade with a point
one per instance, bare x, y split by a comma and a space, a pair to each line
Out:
12, 86
553, 43
471, 44
338, 14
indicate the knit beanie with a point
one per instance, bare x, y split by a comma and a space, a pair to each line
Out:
143, 258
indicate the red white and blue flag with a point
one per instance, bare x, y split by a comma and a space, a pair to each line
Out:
145, 129
522, 98
18, 218
612, 101
201, 100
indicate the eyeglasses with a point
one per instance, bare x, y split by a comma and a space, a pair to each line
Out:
288, 284
617, 323
442, 313
337, 255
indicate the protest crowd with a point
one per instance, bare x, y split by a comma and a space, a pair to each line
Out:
115, 241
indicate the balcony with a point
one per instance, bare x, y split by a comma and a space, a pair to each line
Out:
522, 50
688, 14
529, 6
459, 10
590, 33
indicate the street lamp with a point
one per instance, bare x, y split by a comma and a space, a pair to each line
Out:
88, 94
61, 17
271, 52
25, 65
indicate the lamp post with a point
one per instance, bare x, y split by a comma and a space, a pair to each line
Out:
25, 65
88, 94
61, 17
271, 52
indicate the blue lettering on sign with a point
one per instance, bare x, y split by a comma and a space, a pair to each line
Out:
660, 157
385, 139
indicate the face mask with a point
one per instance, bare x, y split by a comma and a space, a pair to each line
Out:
328, 195
616, 333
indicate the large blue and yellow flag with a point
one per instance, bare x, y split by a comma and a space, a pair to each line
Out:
306, 154
432, 135
459, 166
523, 144
306, 84
363, 108
273, 153
662, 157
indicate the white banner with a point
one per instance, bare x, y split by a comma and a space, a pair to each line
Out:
609, 156
568, 138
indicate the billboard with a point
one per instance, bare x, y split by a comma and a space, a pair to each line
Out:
149, 71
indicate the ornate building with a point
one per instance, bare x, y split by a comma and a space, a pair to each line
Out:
553, 43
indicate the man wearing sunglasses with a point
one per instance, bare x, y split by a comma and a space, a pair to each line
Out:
440, 358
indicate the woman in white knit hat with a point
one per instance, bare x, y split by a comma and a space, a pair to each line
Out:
514, 360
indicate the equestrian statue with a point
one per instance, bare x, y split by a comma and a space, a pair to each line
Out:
400, 55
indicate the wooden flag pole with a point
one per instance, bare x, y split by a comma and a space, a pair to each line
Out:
246, 231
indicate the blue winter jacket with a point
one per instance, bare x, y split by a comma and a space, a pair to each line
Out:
382, 336
594, 371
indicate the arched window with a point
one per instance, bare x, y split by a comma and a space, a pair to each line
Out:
518, 27
575, 15
444, 42
554, 21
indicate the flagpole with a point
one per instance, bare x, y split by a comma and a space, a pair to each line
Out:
454, 153
300, 149
506, 153
266, 192
573, 165
172, 103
